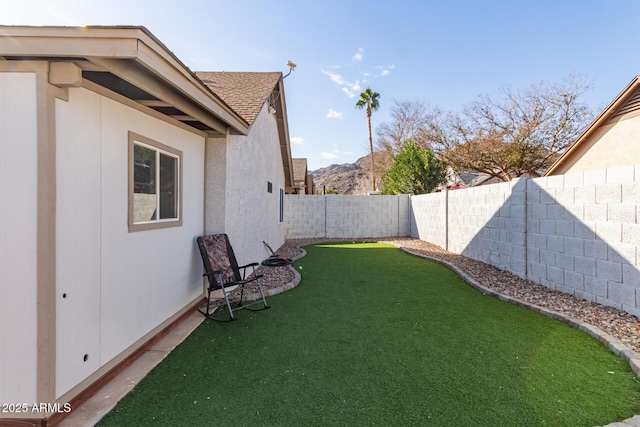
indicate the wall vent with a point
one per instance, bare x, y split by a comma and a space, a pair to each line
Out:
632, 105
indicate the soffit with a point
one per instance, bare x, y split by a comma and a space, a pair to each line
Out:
131, 62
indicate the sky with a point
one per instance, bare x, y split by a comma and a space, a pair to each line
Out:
444, 53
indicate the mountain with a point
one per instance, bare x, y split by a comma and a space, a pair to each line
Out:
348, 178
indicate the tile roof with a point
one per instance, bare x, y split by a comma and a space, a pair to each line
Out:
244, 92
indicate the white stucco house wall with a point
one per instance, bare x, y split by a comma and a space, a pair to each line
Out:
114, 157
255, 180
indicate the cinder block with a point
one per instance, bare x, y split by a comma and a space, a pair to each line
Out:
609, 231
573, 246
595, 212
596, 249
608, 270
555, 275
610, 303
555, 181
631, 234
555, 212
585, 296
634, 311
620, 174
585, 265
555, 243
565, 261
537, 271
574, 280
609, 193
585, 195
585, 230
598, 177
537, 241
631, 276
547, 226
566, 289
622, 293
595, 286
621, 212
572, 180
547, 197
565, 228
631, 192
623, 253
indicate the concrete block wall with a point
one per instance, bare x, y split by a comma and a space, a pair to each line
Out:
584, 235
305, 216
577, 233
487, 223
429, 218
338, 216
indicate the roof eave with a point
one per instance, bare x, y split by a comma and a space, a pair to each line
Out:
283, 132
113, 49
602, 118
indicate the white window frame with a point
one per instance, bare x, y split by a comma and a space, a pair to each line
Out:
159, 148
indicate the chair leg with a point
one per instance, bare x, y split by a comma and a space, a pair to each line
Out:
226, 299
264, 300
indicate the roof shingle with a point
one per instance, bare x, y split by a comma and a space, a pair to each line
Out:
244, 92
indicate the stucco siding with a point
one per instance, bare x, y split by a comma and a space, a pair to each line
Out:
251, 212
18, 237
113, 286
613, 145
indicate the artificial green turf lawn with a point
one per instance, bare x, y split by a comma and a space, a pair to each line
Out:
373, 336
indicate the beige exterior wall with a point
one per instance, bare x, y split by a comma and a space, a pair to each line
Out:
18, 237
612, 145
114, 286
251, 213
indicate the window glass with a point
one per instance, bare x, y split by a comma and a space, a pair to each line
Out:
154, 184
168, 186
144, 184
281, 205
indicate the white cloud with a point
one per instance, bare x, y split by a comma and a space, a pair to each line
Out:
350, 88
384, 71
357, 57
335, 153
333, 114
297, 140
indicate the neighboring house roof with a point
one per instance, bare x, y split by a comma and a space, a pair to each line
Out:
126, 60
628, 101
245, 92
300, 170
485, 179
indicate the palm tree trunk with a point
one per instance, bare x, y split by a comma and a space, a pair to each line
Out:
373, 177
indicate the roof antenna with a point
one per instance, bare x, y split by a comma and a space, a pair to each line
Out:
292, 66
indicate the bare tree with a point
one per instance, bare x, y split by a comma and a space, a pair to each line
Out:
517, 133
410, 120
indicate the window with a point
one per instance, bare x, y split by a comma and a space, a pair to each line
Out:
155, 184
281, 205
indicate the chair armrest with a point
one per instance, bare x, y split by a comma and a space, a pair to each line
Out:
253, 264
244, 269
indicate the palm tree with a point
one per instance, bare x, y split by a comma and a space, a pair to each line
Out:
369, 99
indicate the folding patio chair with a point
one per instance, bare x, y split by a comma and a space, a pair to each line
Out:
223, 273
